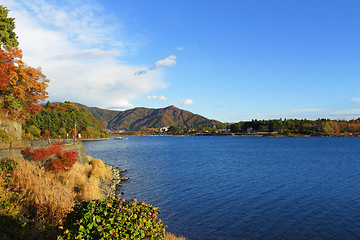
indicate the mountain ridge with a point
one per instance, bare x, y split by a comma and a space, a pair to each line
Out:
137, 118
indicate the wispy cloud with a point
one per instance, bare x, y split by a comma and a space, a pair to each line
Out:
154, 97
347, 114
167, 62
180, 48
185, 102
305, 110
78, 51
357, 100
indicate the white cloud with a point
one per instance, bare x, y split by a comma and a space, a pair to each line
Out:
308, 110
167, 62
180, 48
347, 112
154, 97
357, 100
185, 102
78, 52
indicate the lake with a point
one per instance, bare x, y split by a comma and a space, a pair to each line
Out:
211, 187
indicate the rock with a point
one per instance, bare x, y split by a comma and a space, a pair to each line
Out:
109, 186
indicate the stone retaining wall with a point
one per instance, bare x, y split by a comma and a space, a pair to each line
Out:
69, 146
12, 128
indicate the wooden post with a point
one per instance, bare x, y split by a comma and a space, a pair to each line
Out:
74, 132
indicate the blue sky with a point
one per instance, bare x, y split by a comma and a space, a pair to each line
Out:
229, 60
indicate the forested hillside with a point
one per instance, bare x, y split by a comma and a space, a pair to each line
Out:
60, 119
142, 118
102, 115
290, 127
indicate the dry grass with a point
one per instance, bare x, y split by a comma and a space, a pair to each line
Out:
170, 236
7, 207
99, 168
41, 192
47, 195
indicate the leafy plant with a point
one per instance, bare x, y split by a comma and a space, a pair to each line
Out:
113, 218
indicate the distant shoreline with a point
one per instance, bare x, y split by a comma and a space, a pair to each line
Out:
236, 135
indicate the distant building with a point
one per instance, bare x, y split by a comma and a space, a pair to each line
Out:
164, 129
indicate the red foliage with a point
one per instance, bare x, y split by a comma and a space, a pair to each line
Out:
46, 152
63, 162
33, 109
26, 151
56, 166
57, 148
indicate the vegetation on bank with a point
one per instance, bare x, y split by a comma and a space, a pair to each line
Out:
36, 198
59, 120
275, 127
45, 196
291, 127
37, 202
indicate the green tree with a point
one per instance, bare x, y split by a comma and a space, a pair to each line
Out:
174, 130
33, 130
8, 37
62, 132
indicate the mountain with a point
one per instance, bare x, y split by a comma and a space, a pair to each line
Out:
102, 115
136, 118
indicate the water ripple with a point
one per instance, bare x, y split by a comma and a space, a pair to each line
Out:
244, 188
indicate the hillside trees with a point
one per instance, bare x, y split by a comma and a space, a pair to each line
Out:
59, 120
299, 126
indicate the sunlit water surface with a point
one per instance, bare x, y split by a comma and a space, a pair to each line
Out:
243, 187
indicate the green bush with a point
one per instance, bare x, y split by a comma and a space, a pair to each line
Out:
113, 218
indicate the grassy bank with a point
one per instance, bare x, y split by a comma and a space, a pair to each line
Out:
35, 201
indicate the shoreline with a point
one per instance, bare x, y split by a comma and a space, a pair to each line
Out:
109, 186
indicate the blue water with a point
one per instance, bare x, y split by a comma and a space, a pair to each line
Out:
243, 187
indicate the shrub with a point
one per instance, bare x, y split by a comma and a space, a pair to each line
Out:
113, 219
63, 162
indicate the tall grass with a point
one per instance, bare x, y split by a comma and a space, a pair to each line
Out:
48, 196
170, 236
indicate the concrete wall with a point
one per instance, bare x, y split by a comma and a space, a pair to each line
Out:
73, 147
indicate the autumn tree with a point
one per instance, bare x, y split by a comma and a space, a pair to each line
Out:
21, 86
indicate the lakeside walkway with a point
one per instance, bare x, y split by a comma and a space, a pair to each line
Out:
37, 144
